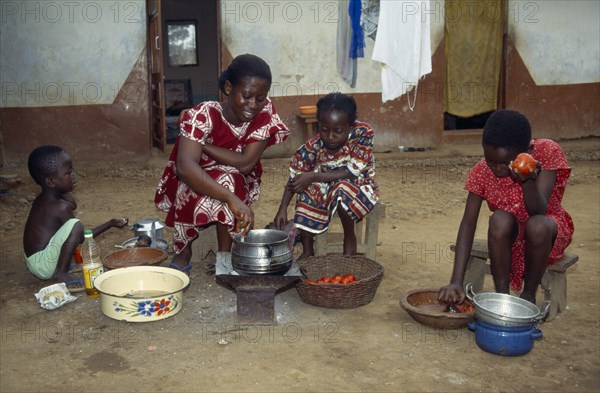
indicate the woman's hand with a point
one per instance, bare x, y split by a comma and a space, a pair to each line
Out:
243, 215
302, 181
452, 294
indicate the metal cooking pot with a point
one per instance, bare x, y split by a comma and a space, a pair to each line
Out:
149, 226
504, 340
262, 251
504, 310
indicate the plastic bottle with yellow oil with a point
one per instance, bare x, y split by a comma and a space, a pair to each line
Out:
92, 262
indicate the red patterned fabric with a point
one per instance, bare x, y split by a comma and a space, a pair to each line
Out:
502, 193
358, 195
188, 212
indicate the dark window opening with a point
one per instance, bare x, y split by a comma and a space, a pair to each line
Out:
452, 122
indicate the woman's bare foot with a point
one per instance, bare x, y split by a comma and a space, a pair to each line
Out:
182, 260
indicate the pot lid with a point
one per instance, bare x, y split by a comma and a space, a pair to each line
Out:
146, 224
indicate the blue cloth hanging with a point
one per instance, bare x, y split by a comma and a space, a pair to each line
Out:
358, 37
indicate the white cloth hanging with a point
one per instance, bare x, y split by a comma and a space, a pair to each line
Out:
402, 46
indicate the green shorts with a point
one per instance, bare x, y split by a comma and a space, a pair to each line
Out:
43, 263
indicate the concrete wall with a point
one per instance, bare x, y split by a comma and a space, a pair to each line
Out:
550, 43
74, 74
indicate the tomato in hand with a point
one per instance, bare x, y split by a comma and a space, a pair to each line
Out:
524, 164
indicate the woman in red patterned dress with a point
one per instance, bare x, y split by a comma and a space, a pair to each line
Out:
528, 229
213, 173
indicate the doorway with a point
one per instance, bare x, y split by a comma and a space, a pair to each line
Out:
475, 41
183, 39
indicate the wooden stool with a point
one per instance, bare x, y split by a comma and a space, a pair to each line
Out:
554, 281
366, 230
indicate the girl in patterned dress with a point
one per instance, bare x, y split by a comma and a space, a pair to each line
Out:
213, 174
332, 171
528, 229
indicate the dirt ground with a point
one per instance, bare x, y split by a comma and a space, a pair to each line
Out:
374, 348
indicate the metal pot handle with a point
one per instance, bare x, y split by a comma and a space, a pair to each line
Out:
469, 291
472, 326
269, 250
536, 334
304, 272
542, 315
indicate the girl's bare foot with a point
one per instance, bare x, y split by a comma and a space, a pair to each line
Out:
528, 297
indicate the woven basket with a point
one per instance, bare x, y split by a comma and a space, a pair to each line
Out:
368, 272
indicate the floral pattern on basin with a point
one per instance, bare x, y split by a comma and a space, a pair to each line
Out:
148, 308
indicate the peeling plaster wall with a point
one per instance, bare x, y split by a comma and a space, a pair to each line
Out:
298, 40
557, 40
74, 74
68, 53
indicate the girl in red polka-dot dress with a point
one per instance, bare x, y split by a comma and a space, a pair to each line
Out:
528, 229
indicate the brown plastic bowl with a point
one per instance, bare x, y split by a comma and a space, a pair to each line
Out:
422, 305
308, 110
135, 256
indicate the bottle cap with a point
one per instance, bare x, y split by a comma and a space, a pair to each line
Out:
88, 233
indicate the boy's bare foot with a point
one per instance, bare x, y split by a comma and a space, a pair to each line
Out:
73, 284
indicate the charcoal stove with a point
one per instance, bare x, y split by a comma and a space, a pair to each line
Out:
256, 292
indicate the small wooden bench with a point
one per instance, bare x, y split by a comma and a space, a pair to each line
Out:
367, 234
554, 281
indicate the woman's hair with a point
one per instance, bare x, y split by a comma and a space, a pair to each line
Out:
43, 162
338, 102
508, 129
245, 66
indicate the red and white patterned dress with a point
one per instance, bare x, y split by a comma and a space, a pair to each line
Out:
358, 195
503, 193
187, 211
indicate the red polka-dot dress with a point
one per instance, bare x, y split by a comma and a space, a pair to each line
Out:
503, 193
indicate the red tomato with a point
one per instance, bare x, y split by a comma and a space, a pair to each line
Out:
351, 277
335, 280
346, 280
310, 282
524, 164
323, 280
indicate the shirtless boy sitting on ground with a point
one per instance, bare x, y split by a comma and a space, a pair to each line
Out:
52, 233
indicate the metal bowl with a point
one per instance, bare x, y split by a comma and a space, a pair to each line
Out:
502, 309
158, 243
423, 306
152, 227
141, 293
